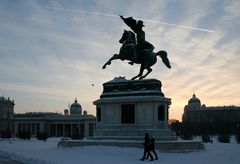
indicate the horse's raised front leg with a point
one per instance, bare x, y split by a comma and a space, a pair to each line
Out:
115, 56
140, 73
149, 70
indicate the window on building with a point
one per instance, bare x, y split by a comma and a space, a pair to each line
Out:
161, 113
33, 129
90, 129
82, 131
128, 113
37, 128
19, 127
98, 114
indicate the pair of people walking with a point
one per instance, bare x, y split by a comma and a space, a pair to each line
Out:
149, 146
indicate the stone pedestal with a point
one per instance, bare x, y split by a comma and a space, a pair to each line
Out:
127, 109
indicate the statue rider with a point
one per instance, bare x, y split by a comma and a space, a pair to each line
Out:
142, 45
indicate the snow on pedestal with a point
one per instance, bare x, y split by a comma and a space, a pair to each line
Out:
127, 109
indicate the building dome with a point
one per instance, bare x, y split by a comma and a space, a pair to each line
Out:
193, 104
85, 112
194, 100
65, 111
75, 108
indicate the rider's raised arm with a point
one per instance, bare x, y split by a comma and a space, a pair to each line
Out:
121, 17
132, 23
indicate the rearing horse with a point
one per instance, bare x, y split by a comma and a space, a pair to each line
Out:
130, 51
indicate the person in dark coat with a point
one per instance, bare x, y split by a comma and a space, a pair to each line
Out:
146, 148
152, 148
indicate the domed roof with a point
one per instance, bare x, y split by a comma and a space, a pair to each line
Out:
75, 104
3, 98
194, 99
203, 106
65, 111
75, 108
84, 112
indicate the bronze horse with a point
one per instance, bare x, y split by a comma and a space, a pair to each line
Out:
130, 51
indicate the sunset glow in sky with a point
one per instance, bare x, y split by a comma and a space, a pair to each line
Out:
53, 51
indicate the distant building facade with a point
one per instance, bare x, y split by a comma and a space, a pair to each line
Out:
6, 115
215, 119
74, 125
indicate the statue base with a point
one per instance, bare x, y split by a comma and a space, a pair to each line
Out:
127, 109
163, 146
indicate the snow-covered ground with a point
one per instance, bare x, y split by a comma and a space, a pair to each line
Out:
39, 152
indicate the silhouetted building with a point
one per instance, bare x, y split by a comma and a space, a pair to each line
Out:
74, 125
6, 115
199, 118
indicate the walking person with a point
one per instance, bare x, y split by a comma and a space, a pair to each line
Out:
152, 147
146, 148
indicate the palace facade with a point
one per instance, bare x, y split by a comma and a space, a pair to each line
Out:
214, 119
76, 124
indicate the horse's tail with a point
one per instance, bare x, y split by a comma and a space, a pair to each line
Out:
163, 55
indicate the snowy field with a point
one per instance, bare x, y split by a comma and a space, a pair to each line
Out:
39, 152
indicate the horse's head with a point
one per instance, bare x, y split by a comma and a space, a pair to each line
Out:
127, 37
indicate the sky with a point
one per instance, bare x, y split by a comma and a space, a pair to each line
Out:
52, 51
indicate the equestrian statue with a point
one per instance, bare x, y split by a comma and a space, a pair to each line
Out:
136, 49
